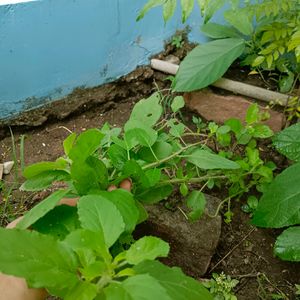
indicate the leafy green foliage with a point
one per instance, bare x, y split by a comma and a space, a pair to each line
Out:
280, 205
207, 63
287, 245
221, 286
287, 142
196, 202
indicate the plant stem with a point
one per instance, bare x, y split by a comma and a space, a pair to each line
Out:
191, 180
157, 163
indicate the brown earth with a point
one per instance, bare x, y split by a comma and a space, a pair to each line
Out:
243, 252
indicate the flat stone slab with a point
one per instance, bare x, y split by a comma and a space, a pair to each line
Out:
218, 108
192, 245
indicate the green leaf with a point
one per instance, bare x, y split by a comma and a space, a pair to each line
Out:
97, 213
235, 125
82, 241
41, 209
116, 291
126, 205
146, 112
86, 144
139, 134
44, 180
239, 20
217, 31
69, 142
280, 204
150, 4
99, 170
85, 177
177, 284
186, 7
25, 254
147, 248
161, 150
176, 130
252, 115
262, 131
207, 63
41, 167
118, 156
208, 161
155, 194
287, 245
58, 222
286, 82
196, 202
169, 8
83, 291
177, 104
144, 287
151, 178
287, 142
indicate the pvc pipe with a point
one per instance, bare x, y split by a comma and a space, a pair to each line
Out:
229, 85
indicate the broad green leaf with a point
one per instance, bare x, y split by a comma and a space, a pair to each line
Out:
286, 82
177, 284
116, 292
58, 222
86, 144
85, 178
126, 205
151, 178
44, 180
262, 131
38, 168
161, 150
240, 20
97, 213
287, 142
217, 31
150, 4
42, 260
235, 125
145, 287
196, 202
41, 209
140, 135
69, 142
280, 204
186, 7
83, 291
118, 156
147, 248
169, 8
207, 63
208, 161
287, 245
155, 194
109, 134
252, 115
100, 171
209, 8
176, 129
177, 104
82, 241
146, 112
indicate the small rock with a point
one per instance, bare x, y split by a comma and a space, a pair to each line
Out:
7, 166
1, 171
192, 245
218, 108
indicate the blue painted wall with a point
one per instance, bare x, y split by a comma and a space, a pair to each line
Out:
50, 47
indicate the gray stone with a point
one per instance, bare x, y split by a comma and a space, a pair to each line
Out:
7, 166
192, 245
218, 108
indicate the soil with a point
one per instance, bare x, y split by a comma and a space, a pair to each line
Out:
244, 252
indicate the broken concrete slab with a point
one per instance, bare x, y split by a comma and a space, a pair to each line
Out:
219, 108
192, 245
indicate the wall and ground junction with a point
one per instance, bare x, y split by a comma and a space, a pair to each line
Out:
50, 47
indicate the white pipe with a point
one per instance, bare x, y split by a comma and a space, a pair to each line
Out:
229, 85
